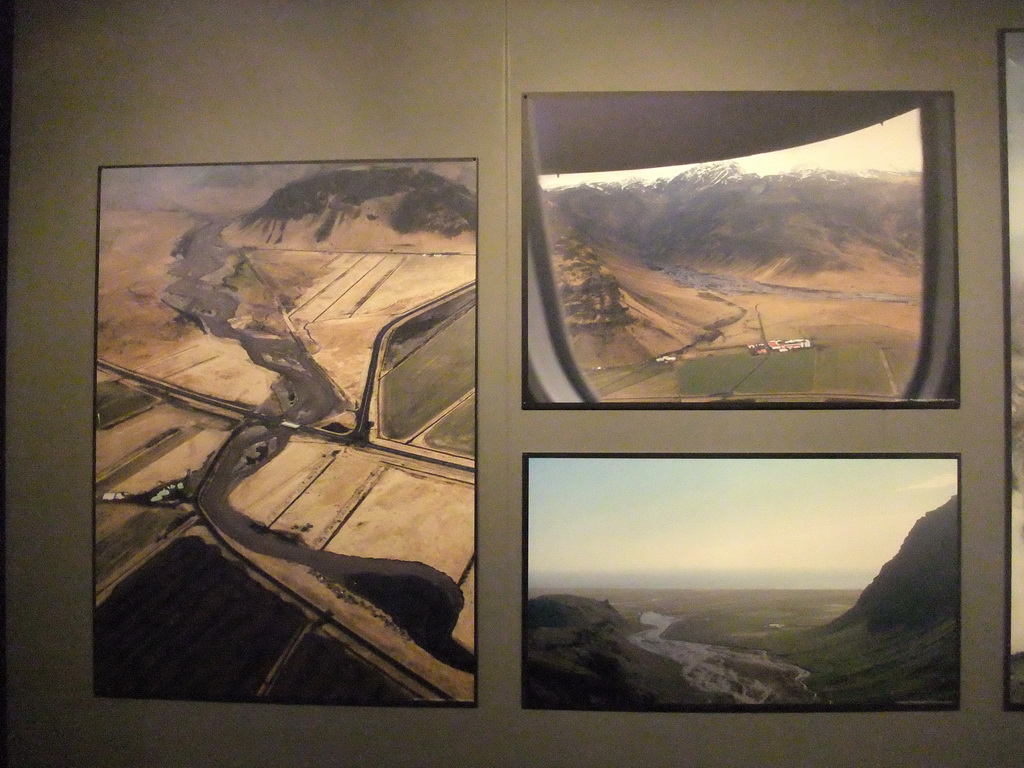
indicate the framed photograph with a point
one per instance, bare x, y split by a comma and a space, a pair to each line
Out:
285, 432
700, 583
740, 249
1012, 86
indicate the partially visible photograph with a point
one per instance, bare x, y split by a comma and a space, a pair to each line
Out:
744, 249
285, 441
1012, 59
741, 583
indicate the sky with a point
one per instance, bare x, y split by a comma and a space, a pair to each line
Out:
725, 522
216, 189
894, 145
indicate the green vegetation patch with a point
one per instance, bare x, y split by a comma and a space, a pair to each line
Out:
117, 402
855, 666
782, 372
716, 375
430, 379
854, 369
416, 331
456, 432
742, 617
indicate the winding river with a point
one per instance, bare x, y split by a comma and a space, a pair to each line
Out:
421, 600
732, 285
745, 676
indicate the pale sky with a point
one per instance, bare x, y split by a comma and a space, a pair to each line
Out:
811, 522
216, 189
894, 145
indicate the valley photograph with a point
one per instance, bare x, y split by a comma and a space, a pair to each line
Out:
740, 583
794, 276
285, 433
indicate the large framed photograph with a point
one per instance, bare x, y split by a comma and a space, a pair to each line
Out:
285, 432
1012, 86
700, 583
739, 250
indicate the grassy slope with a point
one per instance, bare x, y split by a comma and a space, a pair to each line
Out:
855, 666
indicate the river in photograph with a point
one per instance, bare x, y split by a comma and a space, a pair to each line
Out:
748, 676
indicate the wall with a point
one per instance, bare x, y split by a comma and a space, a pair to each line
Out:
126, 81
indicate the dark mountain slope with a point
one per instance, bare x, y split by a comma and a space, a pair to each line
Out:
414, 200
920, 586
900, 643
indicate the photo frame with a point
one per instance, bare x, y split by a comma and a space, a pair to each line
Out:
741, 249
285, 505
1011, 77
737, 582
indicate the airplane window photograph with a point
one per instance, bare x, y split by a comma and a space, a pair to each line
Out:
741, 249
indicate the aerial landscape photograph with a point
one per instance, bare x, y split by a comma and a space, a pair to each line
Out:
661, 582
801, 275
1013, 92
285, 410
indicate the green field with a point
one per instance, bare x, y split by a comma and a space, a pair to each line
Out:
456, 432
431, 378
732, 616
716, 376
854, 665
855, 370
781, 372
116, 402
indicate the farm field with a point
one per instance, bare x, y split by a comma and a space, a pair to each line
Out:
856, 369
441, 359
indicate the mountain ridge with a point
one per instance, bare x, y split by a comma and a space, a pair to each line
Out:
405, 198
719, 218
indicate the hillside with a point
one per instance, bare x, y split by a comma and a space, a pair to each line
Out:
900, 642
920, 586
378, 206
781, 228
578, 656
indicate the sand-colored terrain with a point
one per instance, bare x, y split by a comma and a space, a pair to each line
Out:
134, 326
375, 627
668, 312
667, 318
265, 495
162, 443
188, 456
409, 515
137, 330
344, 349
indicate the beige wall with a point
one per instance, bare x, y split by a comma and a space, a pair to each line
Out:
126, 81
